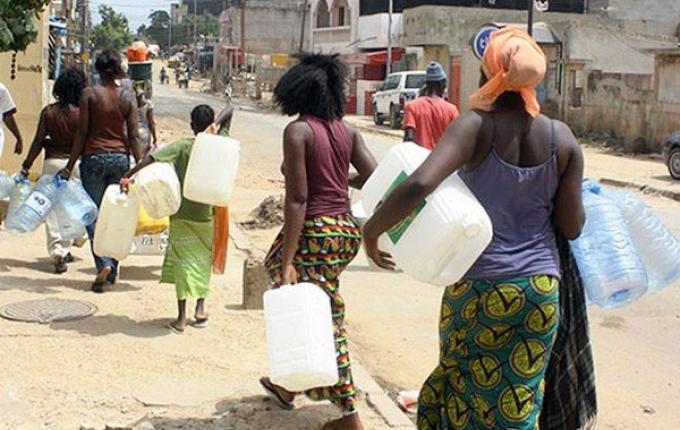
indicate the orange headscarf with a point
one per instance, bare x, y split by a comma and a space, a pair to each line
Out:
513, 61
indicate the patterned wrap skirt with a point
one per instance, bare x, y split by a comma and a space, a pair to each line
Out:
496, 338
326, 247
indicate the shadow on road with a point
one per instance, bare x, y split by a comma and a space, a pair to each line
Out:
43, 265
133, 273
104, 325
254, 412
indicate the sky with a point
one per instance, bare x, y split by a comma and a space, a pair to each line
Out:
137, 11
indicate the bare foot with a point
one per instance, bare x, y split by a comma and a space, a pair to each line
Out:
284, 395
348, 422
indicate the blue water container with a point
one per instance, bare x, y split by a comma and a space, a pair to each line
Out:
21, 190
76, 202
36, 207
659, 248
6, 185
69, 229
610, 265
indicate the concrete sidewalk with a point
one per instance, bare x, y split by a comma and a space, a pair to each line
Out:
638, 172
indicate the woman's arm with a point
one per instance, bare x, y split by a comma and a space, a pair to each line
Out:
37, 145
81, 135
132, 122
569, 215
295, 206
11, 124
362, 160
455, 149
223, 120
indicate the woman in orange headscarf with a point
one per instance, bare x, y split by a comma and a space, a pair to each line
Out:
498, 324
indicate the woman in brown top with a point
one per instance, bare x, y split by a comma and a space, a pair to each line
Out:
107, 136
56, 133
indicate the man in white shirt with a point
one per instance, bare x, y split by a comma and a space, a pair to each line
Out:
7, 111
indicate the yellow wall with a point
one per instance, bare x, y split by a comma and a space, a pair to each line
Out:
29, 91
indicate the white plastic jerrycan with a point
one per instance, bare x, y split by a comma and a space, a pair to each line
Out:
300, 342
159, 190
444, 236
116, 224
211, 173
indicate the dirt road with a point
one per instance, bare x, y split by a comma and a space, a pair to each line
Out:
122, 365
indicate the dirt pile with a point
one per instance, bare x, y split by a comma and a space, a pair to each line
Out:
268, 214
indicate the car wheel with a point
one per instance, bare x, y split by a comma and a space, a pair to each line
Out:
674, 163
395, 123
377, 119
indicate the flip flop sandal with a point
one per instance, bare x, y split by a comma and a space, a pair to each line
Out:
201, 323
175, 330
275, 397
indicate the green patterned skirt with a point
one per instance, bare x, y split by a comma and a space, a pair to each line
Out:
188, 259
495, 342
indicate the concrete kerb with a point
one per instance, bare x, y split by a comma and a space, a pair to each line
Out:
378, 399
673, 195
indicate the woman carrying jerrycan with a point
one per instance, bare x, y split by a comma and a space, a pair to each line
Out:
498, 324
107, 136
320, 237
55, 135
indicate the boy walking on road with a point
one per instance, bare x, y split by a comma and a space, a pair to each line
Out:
426, 118
189, 257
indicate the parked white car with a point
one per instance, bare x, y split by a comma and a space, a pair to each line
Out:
389, 101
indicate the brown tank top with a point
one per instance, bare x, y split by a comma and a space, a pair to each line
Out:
108, 128
61, 126
327, 163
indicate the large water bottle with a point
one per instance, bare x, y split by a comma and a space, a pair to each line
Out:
76, 202
69, 228
36, 207
21, 190
6, 185
610, 265
658, 247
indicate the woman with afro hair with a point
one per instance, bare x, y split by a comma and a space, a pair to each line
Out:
320, 236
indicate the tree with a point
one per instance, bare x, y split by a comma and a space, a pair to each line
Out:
113, 31
18, 28
182, 34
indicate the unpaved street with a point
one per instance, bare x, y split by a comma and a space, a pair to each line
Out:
121, 364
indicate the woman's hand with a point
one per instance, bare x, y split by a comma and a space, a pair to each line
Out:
289, 274
124, 185
380, 258
65, 173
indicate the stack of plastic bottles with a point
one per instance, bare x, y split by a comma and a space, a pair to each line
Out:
29, 207
624, 250
6, 185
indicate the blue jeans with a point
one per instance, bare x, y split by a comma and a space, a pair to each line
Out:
97, 172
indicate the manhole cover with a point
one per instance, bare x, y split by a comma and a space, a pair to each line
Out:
47, 311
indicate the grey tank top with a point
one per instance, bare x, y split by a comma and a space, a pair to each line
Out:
519, 201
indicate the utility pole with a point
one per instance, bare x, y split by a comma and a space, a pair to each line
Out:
84, 12
530, 23
389, 38
195, 31
304, 23
243, 27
